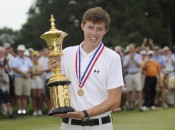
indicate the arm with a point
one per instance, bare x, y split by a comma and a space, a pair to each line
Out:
126, 65
144, 65
143, 46
137, 63
171, 58
159, 76
151, 43
111, 103
25, 75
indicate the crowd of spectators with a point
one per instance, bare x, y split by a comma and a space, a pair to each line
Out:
148, 72
149, 76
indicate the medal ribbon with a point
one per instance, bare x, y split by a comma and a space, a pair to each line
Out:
90, 66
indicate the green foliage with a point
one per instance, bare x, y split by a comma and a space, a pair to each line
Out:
131, 21
8, 35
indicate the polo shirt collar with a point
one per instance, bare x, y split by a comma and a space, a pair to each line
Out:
83, 53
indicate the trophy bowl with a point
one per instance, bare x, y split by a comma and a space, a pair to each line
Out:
58, 83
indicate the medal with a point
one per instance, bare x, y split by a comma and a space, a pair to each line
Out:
80, 92
82, 79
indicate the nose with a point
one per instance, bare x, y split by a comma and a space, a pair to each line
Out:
94, 32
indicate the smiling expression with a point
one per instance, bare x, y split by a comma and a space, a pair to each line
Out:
93, 33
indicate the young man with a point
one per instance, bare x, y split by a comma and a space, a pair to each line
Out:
102, 89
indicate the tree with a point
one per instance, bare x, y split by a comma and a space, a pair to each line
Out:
8, 35
131, 21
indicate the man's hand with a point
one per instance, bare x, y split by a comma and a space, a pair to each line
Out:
75, 114
144, 40
54, 62
132, 56
151, 41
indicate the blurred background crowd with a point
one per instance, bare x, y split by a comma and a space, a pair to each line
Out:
148, 66
148, 72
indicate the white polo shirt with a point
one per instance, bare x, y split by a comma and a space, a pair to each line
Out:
109, 76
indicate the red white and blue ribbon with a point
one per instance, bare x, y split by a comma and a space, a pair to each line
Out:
82, 79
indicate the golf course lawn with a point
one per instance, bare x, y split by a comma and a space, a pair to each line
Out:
160, 119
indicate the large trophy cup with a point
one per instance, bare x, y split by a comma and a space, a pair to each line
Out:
58, 83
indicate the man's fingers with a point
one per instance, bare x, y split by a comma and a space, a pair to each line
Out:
54, 62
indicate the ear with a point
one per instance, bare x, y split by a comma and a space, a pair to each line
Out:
82, 26
105, 31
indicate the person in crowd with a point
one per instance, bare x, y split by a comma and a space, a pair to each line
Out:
159, 57
171, 91
152, 72
37, 84
30, 52
143, 54
4, 87
27, 53
168, 72
8, 69
169, 60
46, 75
120, 51
132, 65
92, 105
22, 67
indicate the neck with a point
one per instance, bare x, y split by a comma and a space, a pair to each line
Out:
21, 56
35, 62
88, 48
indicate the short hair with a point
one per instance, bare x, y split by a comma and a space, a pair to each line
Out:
96, 15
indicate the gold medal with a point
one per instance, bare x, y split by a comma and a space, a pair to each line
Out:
80, 92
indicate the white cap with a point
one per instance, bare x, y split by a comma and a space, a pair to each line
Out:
143, 52
166, 48
26, 52
21, 48
117, 48
31, 49
127, 49
6, 45
150, 52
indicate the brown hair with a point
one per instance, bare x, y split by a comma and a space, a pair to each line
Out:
96, 15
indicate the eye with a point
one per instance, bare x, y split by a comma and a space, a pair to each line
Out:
90, 27
100, 29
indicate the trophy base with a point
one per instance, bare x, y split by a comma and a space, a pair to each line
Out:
60, 110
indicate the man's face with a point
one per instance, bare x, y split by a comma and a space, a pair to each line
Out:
8, 50
150, 56
131, 48
93, 33
45, 51
156, 52
21, 53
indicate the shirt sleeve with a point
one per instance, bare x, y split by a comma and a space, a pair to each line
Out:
40, 66
14, 63
158, 67
115, 76
138, 58
125, 61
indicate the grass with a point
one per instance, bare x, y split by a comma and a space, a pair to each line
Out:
161, 119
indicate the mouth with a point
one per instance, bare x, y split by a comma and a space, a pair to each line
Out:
93, 38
